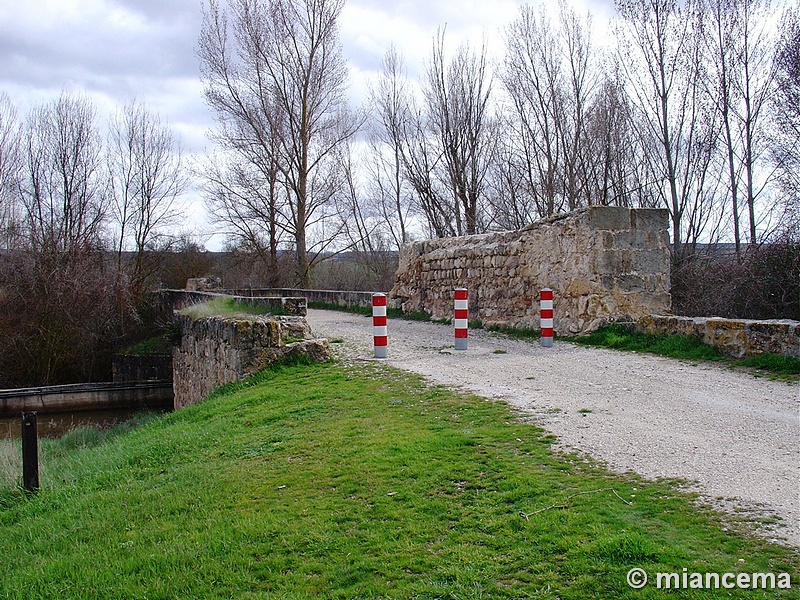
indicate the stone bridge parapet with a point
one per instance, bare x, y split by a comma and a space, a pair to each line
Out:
604, 264
217, 350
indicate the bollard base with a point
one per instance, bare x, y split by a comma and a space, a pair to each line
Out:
461, 343
381, 352
547, 342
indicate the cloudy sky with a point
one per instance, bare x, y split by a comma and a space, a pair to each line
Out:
115, 50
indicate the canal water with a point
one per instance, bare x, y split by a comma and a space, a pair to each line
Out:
57, 424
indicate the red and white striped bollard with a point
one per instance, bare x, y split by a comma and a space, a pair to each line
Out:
380, 335
461, 320
546, 317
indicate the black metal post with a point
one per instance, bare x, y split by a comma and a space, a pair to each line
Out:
30, 453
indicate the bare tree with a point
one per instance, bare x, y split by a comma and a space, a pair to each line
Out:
786, 133
147, 175
757, 63
389, 186
422, 162
247, 197
63, 194
457, 102
724, 31
743, 71
533, 80
562, 113
509, 189
581, 81
60, 314
279, 83
610, 163
9, 170
370, 234
660, 52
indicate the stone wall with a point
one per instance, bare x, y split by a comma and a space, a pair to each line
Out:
732, 337
219, 350
338, 297
604, 264
203, 284
167, 301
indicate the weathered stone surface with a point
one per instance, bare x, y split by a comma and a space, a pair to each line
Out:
219, 350
647, 218
732, 337
747, 337
203, 284
610, 217
601, 267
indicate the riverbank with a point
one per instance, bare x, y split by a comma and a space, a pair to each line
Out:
86, 397
54, 425
355, 480
730, 436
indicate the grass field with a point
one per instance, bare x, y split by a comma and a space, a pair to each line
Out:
686, 347
334, 481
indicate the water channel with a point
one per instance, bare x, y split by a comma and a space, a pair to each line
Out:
54, 425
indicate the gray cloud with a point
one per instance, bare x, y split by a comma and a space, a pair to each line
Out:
114, 50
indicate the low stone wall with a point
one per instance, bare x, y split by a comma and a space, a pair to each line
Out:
732, 337
337, 297
170, 300
219, 350
203, 284
604, 264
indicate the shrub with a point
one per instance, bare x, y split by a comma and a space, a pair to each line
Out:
763, 284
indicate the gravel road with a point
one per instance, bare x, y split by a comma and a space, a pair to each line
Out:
735, 437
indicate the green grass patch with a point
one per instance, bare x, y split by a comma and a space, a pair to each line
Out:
521, 333
392, 313
156, 345
357, 310
415, 315
229, 307
621, 337
327, 481
54, 451
786, 367
686, 347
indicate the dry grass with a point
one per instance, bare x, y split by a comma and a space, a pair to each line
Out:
10, 463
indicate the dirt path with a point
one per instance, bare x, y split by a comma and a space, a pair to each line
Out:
737, 437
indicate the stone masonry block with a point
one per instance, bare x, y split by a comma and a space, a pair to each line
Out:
609, 217
630, 283
216, 350
617, 262
650, 218
592, 252
630, 239
652, 261
607, 240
